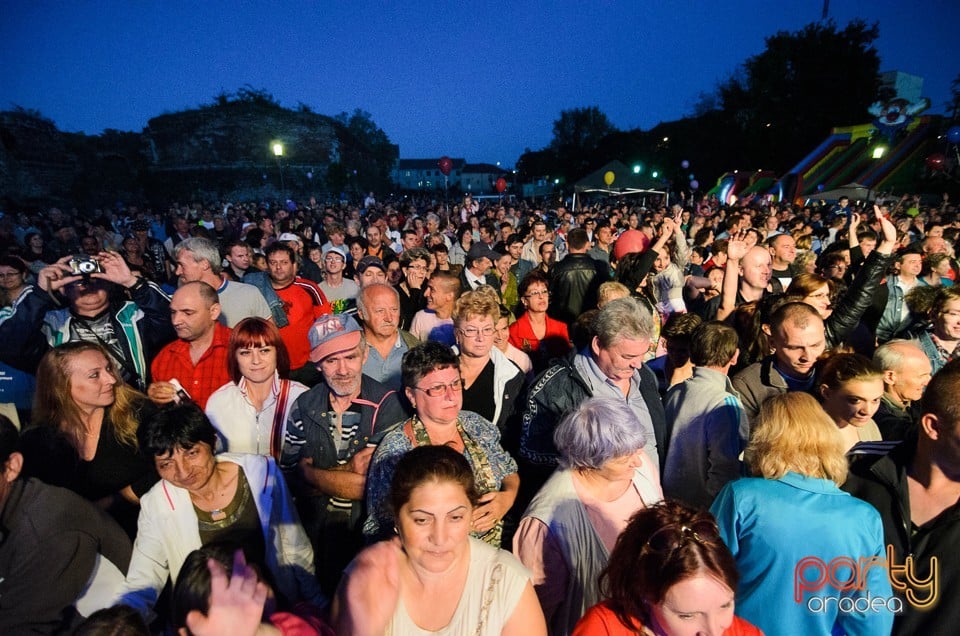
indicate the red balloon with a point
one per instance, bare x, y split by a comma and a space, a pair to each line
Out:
445, 164
935, 161
629, 242
501, 184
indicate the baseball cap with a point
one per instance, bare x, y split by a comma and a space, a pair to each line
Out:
332, 334
288, 236
478, 250
336, 249
370, 261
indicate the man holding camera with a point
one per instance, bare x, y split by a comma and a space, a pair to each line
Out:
105, 303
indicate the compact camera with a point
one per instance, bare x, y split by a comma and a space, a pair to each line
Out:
84, 266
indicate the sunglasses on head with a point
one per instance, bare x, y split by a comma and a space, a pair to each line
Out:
671, 537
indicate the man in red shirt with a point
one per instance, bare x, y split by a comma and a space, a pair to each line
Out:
197, 359
303, 302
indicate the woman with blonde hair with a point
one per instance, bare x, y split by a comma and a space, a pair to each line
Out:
84, 430
789, 523
491, 382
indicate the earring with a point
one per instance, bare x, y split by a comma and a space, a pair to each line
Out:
395, 531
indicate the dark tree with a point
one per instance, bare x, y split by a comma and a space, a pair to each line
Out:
360, 124
803, 84
576, 137
953, 106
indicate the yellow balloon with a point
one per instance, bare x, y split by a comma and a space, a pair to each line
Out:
608, 177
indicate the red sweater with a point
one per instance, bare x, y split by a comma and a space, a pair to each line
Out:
600, 620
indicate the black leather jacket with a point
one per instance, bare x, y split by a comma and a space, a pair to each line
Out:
573, 286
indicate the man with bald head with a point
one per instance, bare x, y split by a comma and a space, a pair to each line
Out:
197, 359
906, 373
748, 277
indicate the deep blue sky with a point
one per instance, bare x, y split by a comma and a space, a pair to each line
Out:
481, 80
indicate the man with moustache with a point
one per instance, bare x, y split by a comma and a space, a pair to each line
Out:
331, 434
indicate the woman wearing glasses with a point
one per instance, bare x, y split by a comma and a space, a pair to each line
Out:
792, 524
572, 524
536, 333
432, 382
669, 575
491, 382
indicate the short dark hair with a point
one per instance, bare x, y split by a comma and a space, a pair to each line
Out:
426, 464
533, 277
280, 247
577, 238
425, 358
940, 396
119, 620
713, 344
179, 426
192, 590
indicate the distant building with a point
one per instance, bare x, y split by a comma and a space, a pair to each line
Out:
479, 178
424, 174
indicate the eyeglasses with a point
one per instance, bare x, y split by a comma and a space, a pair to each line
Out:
440, 390
671, 537
473, 332
10, 274
417, 268
535, 294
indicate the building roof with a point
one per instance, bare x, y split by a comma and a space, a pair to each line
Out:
483, 168
428, 164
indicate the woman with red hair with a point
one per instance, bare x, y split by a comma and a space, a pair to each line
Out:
250, 412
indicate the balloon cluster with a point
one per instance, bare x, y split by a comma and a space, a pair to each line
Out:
694, 184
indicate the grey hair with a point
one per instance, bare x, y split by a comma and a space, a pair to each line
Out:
202, 250
362, 306
623, 318
598, 430
889, 356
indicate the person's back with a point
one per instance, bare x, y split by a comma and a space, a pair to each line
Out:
59, 555
575, 280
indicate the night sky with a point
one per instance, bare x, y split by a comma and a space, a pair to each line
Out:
479, 80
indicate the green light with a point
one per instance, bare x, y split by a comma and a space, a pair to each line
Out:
637, 168
655, 174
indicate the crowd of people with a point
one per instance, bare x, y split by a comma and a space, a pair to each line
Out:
498, 418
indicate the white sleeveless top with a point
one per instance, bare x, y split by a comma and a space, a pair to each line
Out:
495, 582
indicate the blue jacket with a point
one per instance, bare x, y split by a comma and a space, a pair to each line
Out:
772, 525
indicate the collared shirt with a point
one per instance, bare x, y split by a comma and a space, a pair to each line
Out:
303, 302
202, 379
475, 281
386, 371
602, 386
241, 427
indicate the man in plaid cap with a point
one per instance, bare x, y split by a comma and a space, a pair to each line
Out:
332, 432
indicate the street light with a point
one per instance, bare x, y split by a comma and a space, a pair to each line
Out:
278, 153
879, 151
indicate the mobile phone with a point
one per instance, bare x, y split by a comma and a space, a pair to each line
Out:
181, 395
